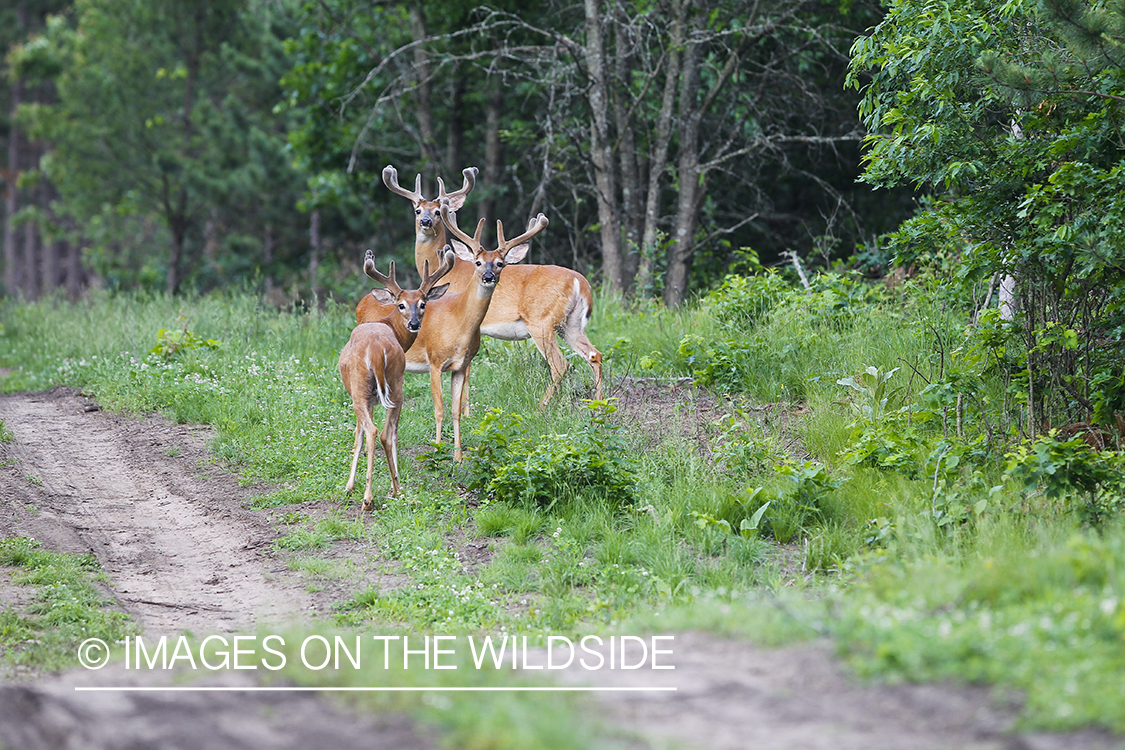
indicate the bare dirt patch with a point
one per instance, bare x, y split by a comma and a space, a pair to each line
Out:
730, 694
666, 409
182, 553
144, 497
51, 714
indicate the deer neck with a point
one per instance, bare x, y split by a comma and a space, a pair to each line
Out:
474, 303
429, 247
404, 337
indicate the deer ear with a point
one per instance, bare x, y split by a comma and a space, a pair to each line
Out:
437, 292
383, 296
517, 253
456, 202
463, 252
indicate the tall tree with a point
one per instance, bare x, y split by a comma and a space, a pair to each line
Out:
164, 135
652, 132
1013, 117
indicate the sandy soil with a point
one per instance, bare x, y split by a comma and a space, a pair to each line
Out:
184, 553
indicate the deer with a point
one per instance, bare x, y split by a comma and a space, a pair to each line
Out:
451, 336
533, 301
373, 363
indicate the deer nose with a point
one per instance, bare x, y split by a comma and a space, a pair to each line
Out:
426, 221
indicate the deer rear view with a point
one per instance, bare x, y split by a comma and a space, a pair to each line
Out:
373, 364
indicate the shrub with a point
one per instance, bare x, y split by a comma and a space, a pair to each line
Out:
511, 465
1092, 480
740, 301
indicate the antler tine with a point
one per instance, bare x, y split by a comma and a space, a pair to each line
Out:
390, 179
534, 227
445, 267
450, 221
387, 281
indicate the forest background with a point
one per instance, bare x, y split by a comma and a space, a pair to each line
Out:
181, 145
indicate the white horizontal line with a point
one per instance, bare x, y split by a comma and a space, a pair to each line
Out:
227, 689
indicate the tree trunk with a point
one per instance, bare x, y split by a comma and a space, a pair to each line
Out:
13, 278
662, 137
172, 279
690, 189
31, 260
314, 255
627, 152
493, 158
267, 259
73, 254
456, 124
423, 105
50, 271
211, 240
601, 149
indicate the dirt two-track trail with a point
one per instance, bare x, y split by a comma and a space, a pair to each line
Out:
183, 553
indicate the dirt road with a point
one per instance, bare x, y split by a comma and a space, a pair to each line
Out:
183, 553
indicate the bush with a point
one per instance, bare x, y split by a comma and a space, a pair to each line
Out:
1092, 481
511, 465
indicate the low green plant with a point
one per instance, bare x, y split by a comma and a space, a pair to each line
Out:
170, 343
741, 449
509, 464
66, 608
872, 394
743, 300
1091, 481
802, 503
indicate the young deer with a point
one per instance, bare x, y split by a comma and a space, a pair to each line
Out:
534, 301
451, 337
373, 363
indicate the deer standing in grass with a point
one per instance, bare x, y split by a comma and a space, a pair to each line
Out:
451, 336
533, 301
373, 363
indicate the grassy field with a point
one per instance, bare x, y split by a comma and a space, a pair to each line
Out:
888, 509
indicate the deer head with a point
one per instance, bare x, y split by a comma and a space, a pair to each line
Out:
427, 213
490, 262
411, 305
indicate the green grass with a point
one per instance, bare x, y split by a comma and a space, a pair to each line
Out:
873, 555
1037, 608
65, 609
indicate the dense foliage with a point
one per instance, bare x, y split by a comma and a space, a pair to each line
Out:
183, 144
1012, 116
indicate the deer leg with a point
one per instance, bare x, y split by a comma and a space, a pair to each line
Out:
389, 439
368, 495
548, 346
465, 397
579, 343
355, 455
439, 407
457, 386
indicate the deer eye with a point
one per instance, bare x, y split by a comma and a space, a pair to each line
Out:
401, 306
478, 263
417, 210
499, 264
421, 305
